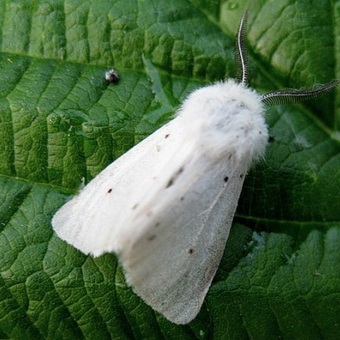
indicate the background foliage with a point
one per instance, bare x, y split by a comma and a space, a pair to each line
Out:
61, 123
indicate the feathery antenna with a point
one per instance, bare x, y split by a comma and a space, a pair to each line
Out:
295, 96
240, 52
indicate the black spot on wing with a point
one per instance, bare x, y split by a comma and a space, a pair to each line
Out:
151, 237
170, 183
109, 191
174, 177
191, 251
226, 179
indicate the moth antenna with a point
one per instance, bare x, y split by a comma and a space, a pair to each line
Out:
240, 52
295, 96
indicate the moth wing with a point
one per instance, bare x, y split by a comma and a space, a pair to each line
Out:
93, 220
173, 258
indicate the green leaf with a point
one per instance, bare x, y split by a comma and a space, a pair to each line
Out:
61, 123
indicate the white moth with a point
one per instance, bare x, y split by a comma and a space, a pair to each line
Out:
166, 206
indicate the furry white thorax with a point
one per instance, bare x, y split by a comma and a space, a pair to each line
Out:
227, 117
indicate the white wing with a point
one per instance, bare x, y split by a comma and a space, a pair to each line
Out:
91, 221
170, 263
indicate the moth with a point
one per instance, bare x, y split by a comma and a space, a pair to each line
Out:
166, 206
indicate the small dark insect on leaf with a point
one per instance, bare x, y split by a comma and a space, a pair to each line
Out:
112, 76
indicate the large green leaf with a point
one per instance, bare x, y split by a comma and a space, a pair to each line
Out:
60, 123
